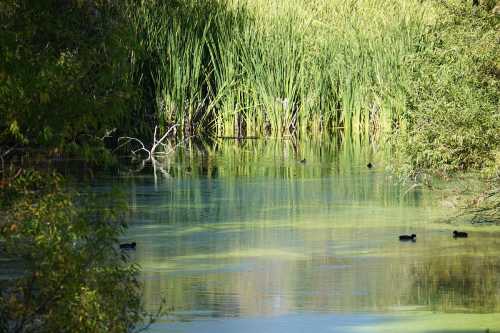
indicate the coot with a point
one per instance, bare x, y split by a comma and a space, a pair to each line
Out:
459, 234
411, 237
128, 246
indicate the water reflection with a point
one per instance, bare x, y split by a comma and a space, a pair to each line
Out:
465, 281
244, 230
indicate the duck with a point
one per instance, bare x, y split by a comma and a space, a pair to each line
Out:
411, 237
128, 246
303, 161
369, 165
459, 234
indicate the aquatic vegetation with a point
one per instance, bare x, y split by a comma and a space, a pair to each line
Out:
254, 67
308, 68
319, 227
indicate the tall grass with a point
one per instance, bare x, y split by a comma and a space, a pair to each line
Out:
255, 67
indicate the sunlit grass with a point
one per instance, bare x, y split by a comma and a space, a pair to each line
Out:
255, 68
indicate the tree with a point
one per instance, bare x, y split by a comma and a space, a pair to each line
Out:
71, 276
64, 71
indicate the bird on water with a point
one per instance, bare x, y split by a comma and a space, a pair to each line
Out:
369, 165
128, 246
411, 237
459, 234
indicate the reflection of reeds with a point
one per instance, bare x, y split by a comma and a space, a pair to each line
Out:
235, 202
275, 158
335, 172
457, 283
277, 67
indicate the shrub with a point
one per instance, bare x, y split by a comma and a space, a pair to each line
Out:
64, 71
452, 111
70, 276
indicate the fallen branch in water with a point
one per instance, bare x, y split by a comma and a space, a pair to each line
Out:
156, 143
152, 152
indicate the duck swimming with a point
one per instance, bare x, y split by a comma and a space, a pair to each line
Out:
128, 246
411, 237
369, 165
459, 234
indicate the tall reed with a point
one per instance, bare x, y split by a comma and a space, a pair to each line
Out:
256, 68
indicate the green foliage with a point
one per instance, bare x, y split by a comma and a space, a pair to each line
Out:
452, 112
64, 71
70, 69
275, 67
71, 276
172, 62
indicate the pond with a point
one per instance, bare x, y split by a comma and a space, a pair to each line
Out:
244, 237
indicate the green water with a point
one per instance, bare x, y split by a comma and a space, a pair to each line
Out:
243, 237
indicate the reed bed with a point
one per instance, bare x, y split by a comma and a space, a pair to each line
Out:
277, 67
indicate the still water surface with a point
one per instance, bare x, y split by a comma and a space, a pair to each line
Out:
245, 238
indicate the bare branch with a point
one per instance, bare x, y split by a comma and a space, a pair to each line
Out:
157, 142
131, 139
107, 134
154, 136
